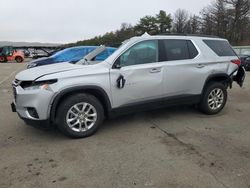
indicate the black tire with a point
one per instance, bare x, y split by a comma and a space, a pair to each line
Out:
204, 104
19, 59
3, 60
68, 103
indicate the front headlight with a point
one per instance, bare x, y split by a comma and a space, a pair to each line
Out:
38, 84
45, 86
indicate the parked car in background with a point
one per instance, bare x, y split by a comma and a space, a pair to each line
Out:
245, 60
244, 53
146, 72
40, 53
73, 54
26, 53
8, 53
242, 50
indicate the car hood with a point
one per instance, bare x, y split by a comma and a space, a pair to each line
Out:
42, 60
37, 72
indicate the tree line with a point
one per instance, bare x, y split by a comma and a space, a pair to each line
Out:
228, 19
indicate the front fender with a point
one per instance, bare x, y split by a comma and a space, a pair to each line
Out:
58, 98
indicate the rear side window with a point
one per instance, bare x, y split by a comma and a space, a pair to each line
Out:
174, 49
220, 47
192, 50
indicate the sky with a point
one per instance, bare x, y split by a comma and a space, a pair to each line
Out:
64, 21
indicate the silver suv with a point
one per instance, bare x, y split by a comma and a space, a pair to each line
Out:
145, 72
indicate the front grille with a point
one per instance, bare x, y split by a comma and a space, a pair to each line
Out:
16, 82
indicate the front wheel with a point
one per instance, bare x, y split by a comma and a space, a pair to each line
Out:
80, 115
214, 98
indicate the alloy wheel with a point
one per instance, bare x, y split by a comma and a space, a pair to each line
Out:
81, 117
215, 99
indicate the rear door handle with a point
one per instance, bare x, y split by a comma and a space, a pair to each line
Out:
155, 70
199, 66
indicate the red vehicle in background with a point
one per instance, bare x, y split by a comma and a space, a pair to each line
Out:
8, 53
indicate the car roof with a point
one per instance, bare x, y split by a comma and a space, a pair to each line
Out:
88, 47
176, 36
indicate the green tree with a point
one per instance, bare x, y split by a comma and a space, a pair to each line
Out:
147, 24
164, 21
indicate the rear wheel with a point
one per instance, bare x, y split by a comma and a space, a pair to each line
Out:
80, 115
19, 59
214, 98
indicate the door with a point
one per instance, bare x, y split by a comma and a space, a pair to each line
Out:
183, 69
136, 75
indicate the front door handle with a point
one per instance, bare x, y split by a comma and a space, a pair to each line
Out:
155, 70
199, 66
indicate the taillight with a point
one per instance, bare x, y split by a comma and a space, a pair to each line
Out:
236, 61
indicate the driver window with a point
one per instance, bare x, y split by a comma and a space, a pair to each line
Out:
141, 53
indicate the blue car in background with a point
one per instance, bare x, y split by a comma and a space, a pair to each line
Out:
72, 55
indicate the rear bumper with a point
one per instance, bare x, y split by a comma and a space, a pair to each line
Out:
240, 76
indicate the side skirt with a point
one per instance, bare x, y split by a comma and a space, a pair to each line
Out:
155, 104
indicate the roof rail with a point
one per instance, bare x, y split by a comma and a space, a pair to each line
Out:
193, 35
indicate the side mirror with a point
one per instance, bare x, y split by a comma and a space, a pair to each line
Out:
117, 64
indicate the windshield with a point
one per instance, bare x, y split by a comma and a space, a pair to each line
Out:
71, 54
98, 57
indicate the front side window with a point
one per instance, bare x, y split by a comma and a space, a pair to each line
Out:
141, 53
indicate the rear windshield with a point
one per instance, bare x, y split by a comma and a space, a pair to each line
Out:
220, 47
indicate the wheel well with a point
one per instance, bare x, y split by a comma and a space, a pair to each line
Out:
100, 95
224, 79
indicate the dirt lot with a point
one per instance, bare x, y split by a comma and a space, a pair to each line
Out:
175, 147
